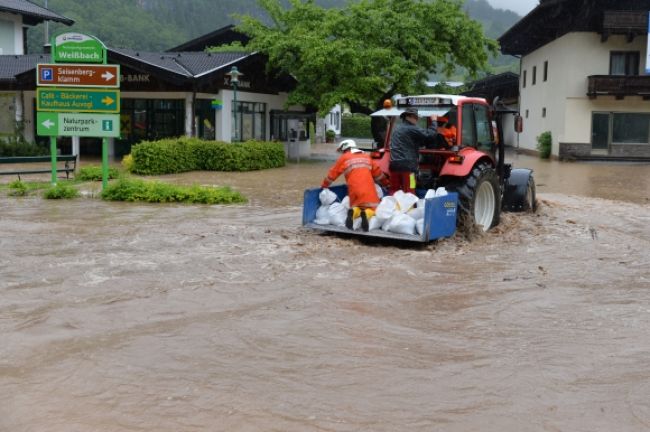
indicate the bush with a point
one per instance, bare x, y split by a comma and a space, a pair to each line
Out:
12, 146
189, 154
330, 135
94, 173
356, 126
159, 192
61, 191
544, 145
127, 163
17, 188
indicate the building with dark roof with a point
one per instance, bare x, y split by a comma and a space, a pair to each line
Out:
585, 69
173, 93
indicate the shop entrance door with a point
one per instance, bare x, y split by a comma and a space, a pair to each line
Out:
600, 132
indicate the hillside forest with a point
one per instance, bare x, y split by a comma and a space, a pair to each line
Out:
157, 25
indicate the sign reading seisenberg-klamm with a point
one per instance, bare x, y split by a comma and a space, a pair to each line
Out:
78, 48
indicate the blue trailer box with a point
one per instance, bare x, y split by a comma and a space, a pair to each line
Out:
439, 216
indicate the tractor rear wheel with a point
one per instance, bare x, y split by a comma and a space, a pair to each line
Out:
479, 197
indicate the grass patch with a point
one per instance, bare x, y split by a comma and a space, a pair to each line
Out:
61, 191
21, 188
128, 189
94, 173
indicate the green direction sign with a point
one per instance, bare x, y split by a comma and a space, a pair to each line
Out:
77, 100
77, 124
77, 48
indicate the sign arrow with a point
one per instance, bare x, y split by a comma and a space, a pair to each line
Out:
107, 76
108, 100
48, 123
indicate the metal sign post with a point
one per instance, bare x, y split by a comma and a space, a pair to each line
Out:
78, 99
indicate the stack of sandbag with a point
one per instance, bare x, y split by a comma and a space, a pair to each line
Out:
332, 212
402, 213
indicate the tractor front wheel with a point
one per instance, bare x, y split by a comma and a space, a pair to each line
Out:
478, 196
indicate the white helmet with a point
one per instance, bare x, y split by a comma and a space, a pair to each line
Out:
346, 144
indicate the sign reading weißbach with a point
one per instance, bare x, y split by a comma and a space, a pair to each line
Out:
78, 48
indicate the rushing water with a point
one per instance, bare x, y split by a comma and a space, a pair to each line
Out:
133, 317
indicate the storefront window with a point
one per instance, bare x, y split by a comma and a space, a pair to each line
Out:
251, 121
150, 119
631, 128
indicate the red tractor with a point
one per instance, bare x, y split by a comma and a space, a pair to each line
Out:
471, 163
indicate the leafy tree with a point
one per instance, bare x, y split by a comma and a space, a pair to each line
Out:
368, 51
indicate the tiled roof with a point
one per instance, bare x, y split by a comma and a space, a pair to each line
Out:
183, 65
187, 64
32, 13
12, 65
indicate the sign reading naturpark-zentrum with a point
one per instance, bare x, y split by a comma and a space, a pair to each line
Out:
78, 48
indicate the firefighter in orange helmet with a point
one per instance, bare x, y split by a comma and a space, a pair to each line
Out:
361, 173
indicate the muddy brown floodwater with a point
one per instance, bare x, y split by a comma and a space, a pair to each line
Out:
132, 317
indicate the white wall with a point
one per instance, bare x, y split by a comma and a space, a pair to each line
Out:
571, 59
224, 121
11, 34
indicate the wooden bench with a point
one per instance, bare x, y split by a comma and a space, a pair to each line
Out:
70, 164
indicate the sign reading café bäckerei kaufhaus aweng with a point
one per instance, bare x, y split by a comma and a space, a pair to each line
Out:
78, 48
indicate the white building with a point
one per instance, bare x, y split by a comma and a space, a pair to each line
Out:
583, 77
15, 17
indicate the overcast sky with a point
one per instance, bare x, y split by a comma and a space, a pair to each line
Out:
522, 7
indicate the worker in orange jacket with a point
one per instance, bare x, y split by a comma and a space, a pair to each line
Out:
447, 130
361, 173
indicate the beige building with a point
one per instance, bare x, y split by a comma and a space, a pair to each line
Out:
583, 77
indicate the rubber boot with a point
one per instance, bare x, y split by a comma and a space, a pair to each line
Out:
364, 220
349, 220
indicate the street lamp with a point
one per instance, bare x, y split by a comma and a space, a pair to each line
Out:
234, 75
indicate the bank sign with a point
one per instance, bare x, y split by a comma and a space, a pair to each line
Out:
78, 48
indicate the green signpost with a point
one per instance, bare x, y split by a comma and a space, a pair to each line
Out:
78, 124
78, 100
80, 112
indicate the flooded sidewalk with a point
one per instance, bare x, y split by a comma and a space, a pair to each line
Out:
130, 317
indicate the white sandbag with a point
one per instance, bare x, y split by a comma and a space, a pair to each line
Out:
431, 193
322, 215
417, 212
356, 224
327, 197
402, 224
374, 223
405, 200
337, 214
346, 202
386, 208
441, 191
419, 226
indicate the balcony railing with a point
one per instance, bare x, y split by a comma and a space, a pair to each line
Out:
624, 22
619, 86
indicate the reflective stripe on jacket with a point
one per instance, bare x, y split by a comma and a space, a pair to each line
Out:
360, 173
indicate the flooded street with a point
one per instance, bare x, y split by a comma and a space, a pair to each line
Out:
135, 317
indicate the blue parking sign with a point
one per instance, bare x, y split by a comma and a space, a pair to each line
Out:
47, 74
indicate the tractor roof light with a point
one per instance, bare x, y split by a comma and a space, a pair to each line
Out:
388, 104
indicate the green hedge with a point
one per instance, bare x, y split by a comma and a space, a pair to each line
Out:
356, 126
127, 189
176, 155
